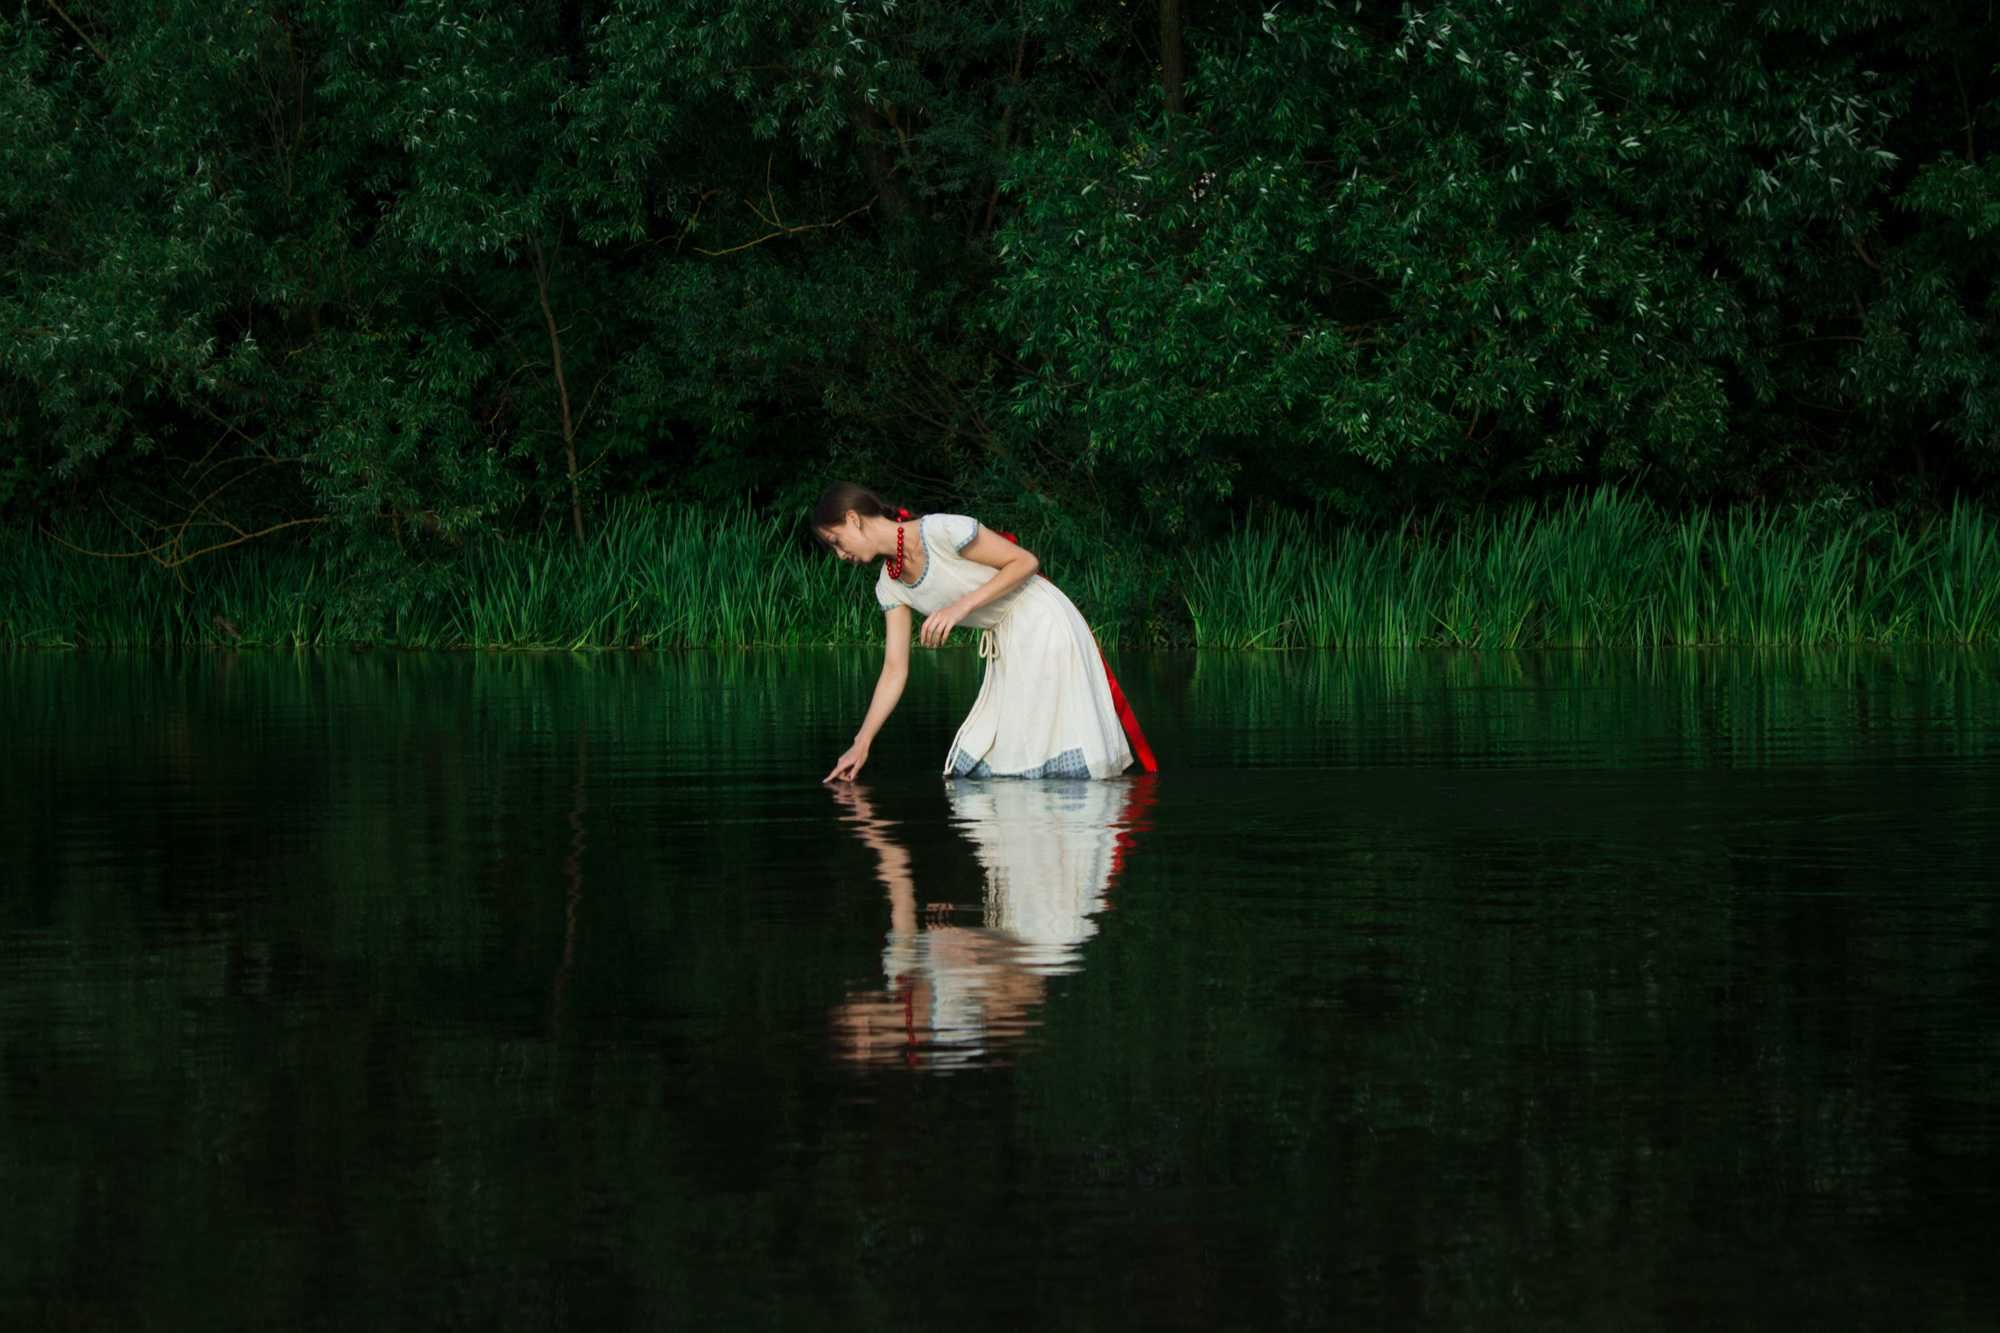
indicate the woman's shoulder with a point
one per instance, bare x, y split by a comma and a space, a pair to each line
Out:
957, 530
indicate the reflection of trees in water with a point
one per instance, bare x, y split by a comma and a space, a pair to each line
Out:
958, 992
572, 884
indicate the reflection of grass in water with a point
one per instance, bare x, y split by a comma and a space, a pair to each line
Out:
1602, 570
1611, 707
470, 742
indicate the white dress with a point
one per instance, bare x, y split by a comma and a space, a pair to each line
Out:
1044, 709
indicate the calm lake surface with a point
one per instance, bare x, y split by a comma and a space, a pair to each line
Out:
1420, 991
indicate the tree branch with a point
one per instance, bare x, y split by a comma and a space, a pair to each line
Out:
780, 230
63, 14
176, 561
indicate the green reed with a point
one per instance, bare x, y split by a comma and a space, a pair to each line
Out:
1601, 570
647, 578
1594, 570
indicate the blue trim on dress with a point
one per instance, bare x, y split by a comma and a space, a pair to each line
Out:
1069, 764
970, 537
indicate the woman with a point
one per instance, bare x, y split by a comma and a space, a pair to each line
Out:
1048, 706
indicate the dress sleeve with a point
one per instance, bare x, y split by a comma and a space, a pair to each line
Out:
885, 594
957, 529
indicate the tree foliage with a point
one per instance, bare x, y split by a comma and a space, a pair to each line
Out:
388, 274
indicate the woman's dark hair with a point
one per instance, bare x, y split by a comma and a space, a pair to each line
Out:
837, 499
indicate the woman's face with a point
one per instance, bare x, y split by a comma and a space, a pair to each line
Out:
845, 540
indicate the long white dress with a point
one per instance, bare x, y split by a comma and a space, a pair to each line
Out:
1044, 709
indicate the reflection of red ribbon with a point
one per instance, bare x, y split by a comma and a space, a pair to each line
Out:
1126, 717
1132, 821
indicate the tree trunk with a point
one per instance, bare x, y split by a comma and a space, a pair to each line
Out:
870, 130
1006, 124
562, 389
1173, 60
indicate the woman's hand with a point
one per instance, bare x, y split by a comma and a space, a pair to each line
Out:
937, 628
848, 765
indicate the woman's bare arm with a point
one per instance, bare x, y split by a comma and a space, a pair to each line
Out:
888, 690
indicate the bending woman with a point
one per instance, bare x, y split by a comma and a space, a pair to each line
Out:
1048, 707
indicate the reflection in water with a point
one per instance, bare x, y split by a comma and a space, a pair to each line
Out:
573, 884
1565, 992
956, 994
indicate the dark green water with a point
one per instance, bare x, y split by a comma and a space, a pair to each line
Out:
1420, 991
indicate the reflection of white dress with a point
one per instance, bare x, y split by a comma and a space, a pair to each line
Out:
1049, 850
1044, 709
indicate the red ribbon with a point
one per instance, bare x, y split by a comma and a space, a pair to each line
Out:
1128, 720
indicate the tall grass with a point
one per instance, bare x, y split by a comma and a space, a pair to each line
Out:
647, 578
661, 578
1601, 570
1595, 570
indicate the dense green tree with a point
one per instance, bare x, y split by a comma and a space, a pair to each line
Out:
1476, 246
385, 275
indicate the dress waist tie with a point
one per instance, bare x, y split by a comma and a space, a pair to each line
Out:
989, 647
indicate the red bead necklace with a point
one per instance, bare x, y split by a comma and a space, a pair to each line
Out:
895, 567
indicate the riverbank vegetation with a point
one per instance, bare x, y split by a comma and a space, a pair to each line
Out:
1597, 571
1291, 324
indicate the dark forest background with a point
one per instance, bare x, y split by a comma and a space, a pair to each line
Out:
377, 276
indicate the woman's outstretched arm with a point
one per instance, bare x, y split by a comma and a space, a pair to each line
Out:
888, 689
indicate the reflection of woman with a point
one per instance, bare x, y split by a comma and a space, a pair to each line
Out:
1051, 852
